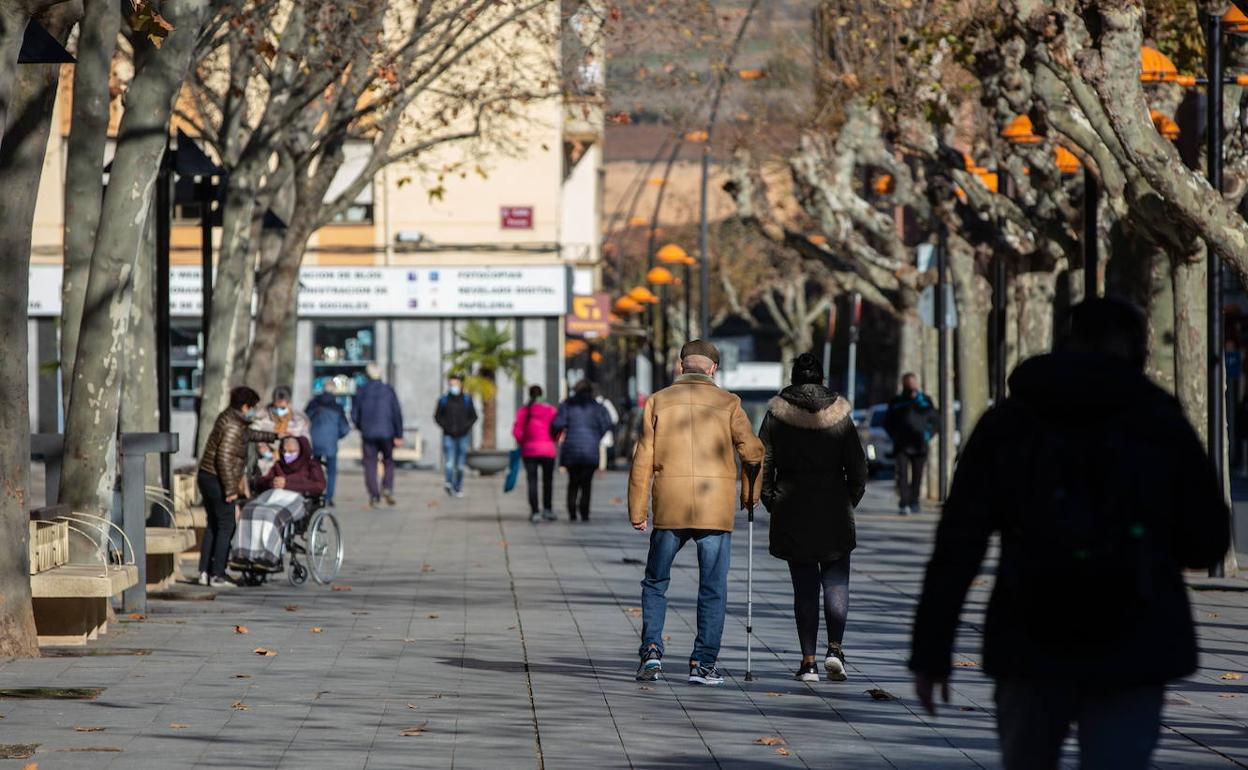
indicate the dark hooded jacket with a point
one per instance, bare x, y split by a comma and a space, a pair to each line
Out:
304, 475
583, 422
814, 473
1133, 482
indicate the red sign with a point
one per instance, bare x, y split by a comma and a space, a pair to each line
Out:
590, 316
516, 217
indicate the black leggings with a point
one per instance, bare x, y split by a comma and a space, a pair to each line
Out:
214, 552
547, 467
833, 578
580, 485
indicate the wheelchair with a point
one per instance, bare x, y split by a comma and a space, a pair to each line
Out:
311, 546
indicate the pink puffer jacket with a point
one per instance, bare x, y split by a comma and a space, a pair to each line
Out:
532, 431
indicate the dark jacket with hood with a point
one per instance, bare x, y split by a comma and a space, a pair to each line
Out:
376, 412
910, 422
814, 473
1102, 494
455, 414
583, 422
304, 475
329, 424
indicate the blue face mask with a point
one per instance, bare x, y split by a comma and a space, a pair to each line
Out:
455, 390
251, 414
281, 411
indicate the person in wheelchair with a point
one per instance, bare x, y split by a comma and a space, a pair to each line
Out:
290, 490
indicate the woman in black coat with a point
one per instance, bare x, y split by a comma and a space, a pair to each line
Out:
814, 473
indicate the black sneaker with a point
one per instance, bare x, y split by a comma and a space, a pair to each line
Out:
651, 667
808, 672
705, 675
834, 663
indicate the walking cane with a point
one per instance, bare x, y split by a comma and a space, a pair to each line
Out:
751, 475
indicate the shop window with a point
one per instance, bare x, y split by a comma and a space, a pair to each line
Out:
340, 352
186, 364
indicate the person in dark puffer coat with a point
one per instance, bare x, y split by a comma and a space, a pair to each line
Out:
814, 473
583, 422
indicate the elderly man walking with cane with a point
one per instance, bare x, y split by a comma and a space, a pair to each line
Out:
684, 471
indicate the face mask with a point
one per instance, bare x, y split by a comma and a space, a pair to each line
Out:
281, 411
250, 415
265, 452
455, 390
290, 457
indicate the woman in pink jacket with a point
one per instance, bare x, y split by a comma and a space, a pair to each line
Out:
532, 432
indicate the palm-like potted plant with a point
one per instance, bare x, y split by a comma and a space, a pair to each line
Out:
486, 352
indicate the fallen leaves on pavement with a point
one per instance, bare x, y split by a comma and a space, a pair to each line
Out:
292, 607
775, 695
317, 630
426, 567
1232, 676
878, 694
89, 729
31, 766
411, 732
265, 652
433, 616
634, 612
241, 630
412, 705
178, 726
782, 751
1228, 695
769, 740
241, 676
965, 664
341, 588
238, 705
137, 616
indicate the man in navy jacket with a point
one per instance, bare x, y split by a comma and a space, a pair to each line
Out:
377, 415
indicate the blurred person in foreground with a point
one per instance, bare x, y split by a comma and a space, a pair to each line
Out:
1102, 495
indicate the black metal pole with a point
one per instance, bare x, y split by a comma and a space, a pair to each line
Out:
688, 303
1000, 311
164, 216
664, 343
1091, 257
205, 256
942, 367
1217, 385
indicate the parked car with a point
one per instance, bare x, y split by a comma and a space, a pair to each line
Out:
875, 441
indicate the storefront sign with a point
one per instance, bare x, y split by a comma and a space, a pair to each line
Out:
516, 217
373, 292
590, 316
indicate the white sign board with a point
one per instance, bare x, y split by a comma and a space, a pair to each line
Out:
364, 292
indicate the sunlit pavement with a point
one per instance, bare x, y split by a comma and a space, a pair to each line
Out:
461, 635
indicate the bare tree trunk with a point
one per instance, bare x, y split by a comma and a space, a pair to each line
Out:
910, 355
972, 295
489, 424
91, 425
139, 401
1161, 317
1035, 294
1190, 366
277, 303
84, 167
288, 349
29, 99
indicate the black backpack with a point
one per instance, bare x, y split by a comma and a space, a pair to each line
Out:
1079, 536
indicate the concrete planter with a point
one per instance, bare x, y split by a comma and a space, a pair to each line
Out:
488, 462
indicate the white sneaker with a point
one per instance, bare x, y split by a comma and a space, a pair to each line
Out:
834, 664
203, 579
459, 493
222, 582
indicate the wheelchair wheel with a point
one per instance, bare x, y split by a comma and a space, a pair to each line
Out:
298, 574
324, 546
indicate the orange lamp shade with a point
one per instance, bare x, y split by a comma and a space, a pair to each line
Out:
883, 184
1235, 21
1067, 161
1156, 67
1165, 126
697, 136
660, 276
574, 348
671, 254
656, 181
596, 357
641, 294
628, 305
750, 74
1020, 131
639, 221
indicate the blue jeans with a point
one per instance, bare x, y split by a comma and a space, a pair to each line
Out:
454, 452
331, 474
714, 554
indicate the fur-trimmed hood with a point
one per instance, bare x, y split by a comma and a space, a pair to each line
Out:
812, 407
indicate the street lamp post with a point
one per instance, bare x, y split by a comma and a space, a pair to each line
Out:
1216, 381
663, 278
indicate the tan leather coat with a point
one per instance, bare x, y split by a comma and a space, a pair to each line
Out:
685, 461
225, 451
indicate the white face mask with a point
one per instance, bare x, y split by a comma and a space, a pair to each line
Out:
455, 390
281, 411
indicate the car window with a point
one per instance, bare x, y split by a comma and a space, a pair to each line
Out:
877, 416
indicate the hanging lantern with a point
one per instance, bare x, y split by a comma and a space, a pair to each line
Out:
660, 276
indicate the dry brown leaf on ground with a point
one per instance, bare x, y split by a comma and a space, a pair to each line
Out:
241, 630
433, 616
292, 607
769, 740
178, 726
137, 616
433, 504
241, 676
341, 588
617, 501
1228, 695
411, 732
775, 695
966, 708
782, 751
412, 706
878, 694
317, 630
1213, 615
965, 664
426, 568
265, 652
89, 729
238, 705
31, 766
1232, 676
634, 612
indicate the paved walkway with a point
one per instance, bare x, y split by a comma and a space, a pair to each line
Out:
494, 643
